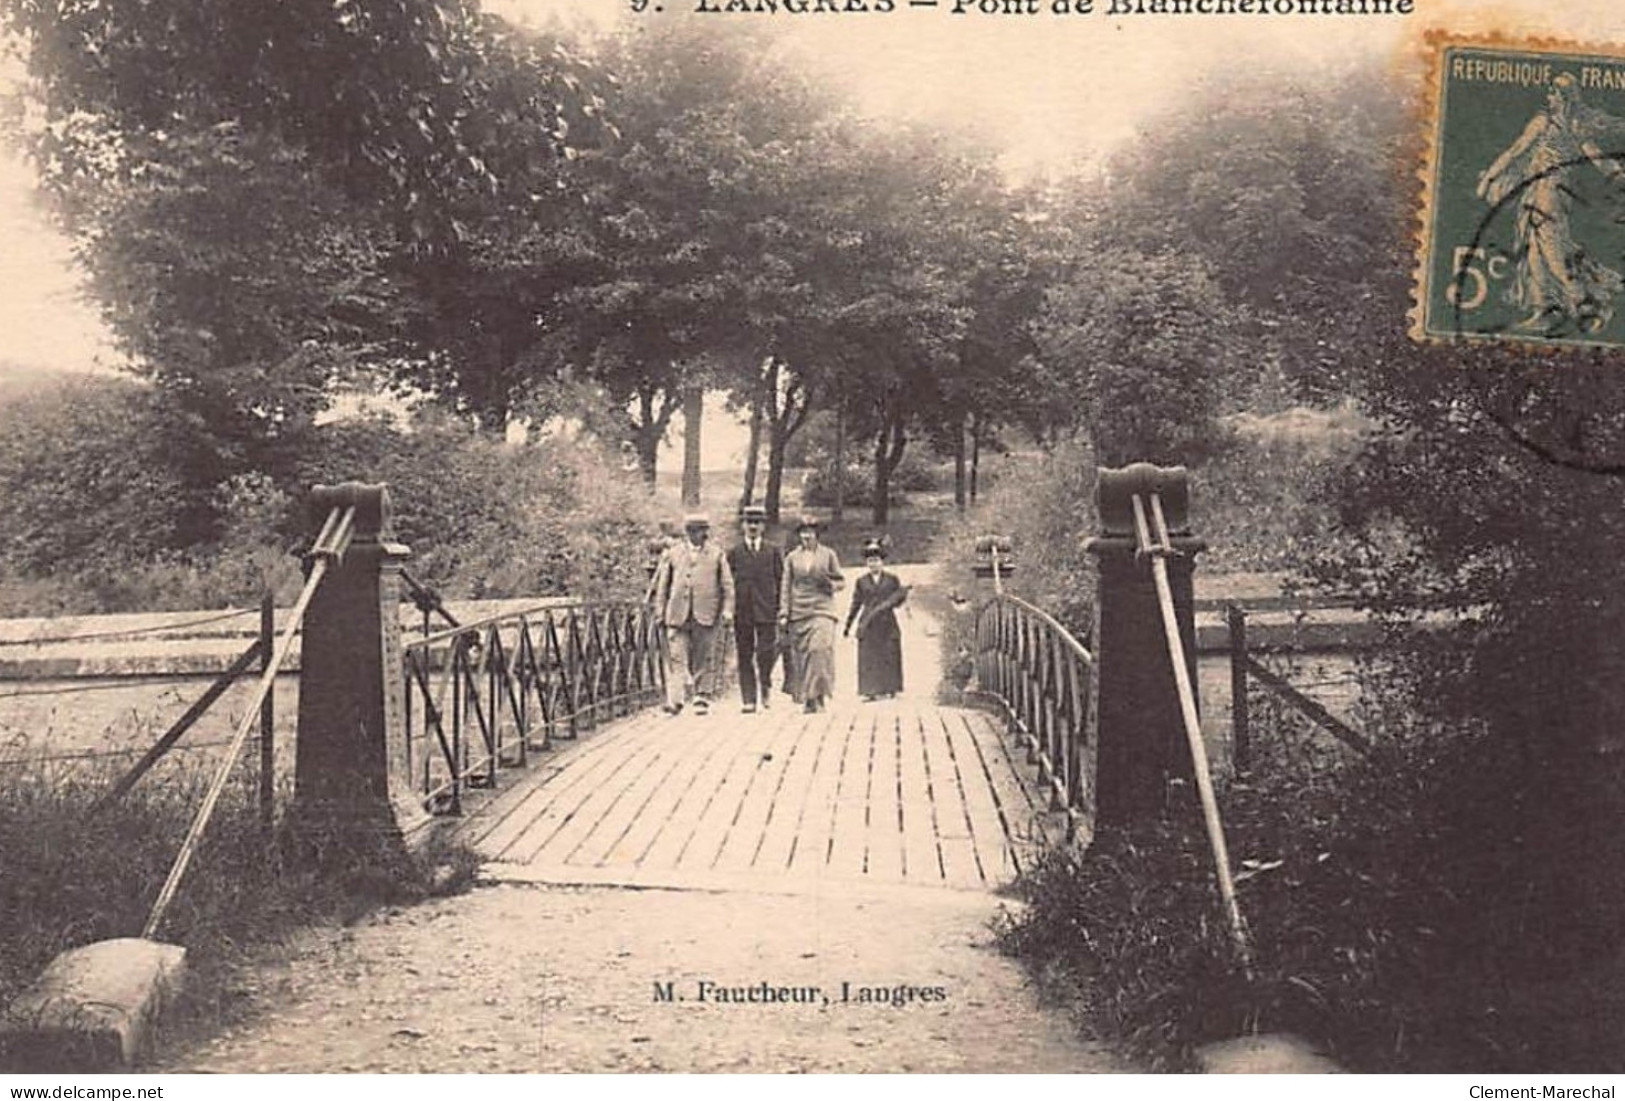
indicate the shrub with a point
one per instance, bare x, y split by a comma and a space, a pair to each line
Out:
857, 487
1145, 345
92, 476
75, 876
1044, 503
483, 519
916, 472
1380, 924
1257, 502
1393, 904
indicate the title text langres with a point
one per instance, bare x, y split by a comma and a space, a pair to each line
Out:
792, 7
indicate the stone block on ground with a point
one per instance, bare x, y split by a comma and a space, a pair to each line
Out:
93, 1008
1275, 1053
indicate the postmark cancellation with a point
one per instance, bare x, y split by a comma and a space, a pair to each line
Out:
1522, 229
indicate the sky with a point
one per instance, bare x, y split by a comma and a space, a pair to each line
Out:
1052, 90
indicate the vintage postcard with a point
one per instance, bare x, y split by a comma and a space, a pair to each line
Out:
929, 537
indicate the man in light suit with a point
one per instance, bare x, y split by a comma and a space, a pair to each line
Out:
694, 595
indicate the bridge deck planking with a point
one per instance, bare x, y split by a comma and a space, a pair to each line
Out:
808, 850
899, 793
671, 843
950, 819
596, 807
746, 832
578, 761
504, 817
989, 827
883, 834
598, 767
786, 810
845, 846
612, 839
922, 854
1023, 806
750, 757
691, 752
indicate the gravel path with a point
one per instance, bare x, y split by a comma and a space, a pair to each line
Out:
534, 978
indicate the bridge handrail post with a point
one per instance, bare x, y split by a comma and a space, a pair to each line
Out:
354, 796
329, 548
1140, 736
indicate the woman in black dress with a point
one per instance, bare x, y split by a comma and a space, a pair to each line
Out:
880, 641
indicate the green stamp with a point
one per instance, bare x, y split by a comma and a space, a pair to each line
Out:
1523, 234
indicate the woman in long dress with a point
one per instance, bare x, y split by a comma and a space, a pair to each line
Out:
812, 574
880, 641
1556, 279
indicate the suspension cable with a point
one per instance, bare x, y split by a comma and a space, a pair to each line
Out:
1159, 552
329, 547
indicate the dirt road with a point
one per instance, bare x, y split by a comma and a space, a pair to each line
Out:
536, 978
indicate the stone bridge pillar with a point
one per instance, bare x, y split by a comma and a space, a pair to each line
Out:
1141, 744
354, 800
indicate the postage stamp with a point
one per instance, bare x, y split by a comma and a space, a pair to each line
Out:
1522, 236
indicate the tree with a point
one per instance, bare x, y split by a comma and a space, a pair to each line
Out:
888, 288
397, 98
268, 196
1281, 193
1145, 343
243, 286
692, 237
999, 378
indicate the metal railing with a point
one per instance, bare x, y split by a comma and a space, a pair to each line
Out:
328, 547
1041, 675
258, 652
1245, 668
481, 696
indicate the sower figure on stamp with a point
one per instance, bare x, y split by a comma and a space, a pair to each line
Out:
812, 573
880, 641
758, 571
694, 595
1557, 278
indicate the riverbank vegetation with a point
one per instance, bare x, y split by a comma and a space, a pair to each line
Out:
80, 870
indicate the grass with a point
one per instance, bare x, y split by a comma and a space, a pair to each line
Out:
75, 876
1257, 503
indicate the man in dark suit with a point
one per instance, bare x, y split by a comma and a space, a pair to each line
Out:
758, 570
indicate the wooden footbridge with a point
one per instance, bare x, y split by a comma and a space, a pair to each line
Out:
532, 736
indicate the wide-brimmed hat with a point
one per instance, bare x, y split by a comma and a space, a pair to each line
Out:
753, 514
696, 520
808, 522
874, 548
